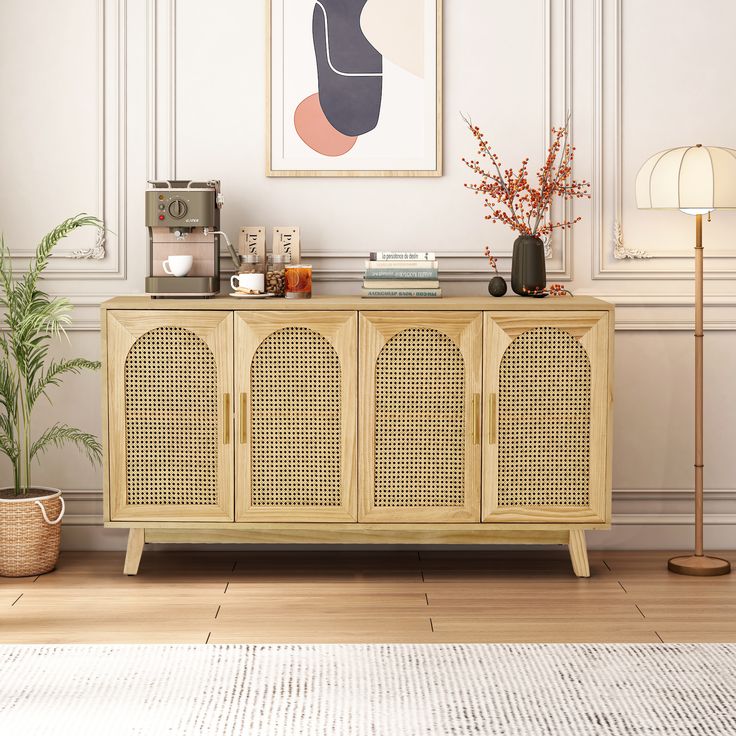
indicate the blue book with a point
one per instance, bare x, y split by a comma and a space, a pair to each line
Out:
401, 283
392, 293
401, 273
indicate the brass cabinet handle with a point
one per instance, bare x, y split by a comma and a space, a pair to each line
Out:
228, 418
476, 419
492, 419
243, 418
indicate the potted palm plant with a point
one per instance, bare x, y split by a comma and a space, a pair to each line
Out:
30, 515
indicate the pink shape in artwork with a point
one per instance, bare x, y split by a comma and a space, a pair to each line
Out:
317, 132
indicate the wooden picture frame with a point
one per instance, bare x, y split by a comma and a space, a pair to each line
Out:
290, 123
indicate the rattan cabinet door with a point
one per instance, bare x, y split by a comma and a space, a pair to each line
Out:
296, 384
420, 423
170, 415
546, 450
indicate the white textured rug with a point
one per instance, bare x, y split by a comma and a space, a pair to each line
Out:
381, 690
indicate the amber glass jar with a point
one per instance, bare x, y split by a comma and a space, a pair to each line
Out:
298, 281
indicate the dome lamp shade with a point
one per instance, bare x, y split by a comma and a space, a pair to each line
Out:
694, 179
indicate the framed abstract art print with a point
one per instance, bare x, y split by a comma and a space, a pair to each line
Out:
354, 88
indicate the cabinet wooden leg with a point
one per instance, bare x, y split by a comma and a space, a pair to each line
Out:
136, 538
579, 553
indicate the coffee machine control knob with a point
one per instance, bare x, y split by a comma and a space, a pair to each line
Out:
178, 208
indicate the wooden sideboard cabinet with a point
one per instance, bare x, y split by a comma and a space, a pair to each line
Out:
348, 420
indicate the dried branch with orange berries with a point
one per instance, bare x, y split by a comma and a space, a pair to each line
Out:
492, 260
508, 193
551, 290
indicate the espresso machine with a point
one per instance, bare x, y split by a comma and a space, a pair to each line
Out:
183, 219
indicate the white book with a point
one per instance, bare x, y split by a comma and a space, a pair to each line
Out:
374, 284
429, 265
402, 255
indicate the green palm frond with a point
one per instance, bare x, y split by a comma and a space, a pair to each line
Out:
4, 347
9, 446
46, 320
8, 396
62, 434
32, 320
49, 241
53, 374
6, 274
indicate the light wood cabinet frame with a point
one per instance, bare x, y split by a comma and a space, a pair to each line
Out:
376, 329
594, 332
340, 330
482, 328
215, 329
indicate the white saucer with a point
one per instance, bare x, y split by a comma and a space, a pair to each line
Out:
250, 296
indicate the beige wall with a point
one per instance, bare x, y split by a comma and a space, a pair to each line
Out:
102, 94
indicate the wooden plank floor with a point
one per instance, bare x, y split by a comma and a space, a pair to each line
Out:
374, 596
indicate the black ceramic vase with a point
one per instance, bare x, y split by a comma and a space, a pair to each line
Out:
528, 272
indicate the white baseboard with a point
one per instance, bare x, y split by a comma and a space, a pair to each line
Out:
642, 519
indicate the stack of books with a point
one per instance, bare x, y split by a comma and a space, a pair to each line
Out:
401, 274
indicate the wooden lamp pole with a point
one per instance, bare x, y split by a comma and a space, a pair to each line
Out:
698, 563
695, 180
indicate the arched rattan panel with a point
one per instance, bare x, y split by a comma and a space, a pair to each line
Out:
171, 420
544, 415
296, 431
420, 421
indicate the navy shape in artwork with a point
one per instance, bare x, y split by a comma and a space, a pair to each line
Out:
349, 69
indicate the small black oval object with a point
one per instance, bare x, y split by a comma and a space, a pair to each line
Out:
497, 286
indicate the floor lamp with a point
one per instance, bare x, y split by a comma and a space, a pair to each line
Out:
695, 180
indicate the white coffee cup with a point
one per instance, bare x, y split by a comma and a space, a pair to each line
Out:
250, 281
178, 265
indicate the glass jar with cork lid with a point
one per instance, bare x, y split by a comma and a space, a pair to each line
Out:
276, 273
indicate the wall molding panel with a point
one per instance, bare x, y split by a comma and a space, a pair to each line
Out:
615, 257
558, 30
104, 258
161, 71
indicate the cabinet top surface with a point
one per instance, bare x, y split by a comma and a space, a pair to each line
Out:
361, 304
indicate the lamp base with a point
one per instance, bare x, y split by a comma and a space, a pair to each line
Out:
700, 565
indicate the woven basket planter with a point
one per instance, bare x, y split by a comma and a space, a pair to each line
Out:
30, 534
